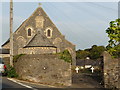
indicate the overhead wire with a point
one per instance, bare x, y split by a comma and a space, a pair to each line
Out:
65, 26
84, 28
66, 16
104, 7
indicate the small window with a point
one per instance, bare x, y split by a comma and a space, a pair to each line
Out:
29, 32
49, 33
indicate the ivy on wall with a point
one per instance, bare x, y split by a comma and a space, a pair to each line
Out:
66, 56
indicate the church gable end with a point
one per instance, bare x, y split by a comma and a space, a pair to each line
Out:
38, 33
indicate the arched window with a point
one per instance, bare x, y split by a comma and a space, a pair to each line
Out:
49, 33
29, 32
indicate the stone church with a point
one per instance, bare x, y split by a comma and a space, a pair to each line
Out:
39, 35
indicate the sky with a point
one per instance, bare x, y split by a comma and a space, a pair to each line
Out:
82, 23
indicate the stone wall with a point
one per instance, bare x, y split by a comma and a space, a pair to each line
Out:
6, 46
46, 69
111, 71
4, 55
37, 50
6, 60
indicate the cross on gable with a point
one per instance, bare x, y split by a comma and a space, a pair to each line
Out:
39, 4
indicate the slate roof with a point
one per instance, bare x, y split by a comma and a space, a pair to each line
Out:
88, 62
4, 51
6, 42
39, 40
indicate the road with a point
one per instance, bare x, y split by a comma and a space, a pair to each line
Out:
5, 83
9, 84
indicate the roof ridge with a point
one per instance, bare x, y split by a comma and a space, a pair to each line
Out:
30, 40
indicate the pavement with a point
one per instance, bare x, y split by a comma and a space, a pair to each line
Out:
84, 81
80, 81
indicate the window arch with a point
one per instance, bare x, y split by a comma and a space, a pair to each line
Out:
29, 32
49, 32
21, 41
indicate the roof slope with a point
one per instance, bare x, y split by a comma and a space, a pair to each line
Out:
6, 42
39, 40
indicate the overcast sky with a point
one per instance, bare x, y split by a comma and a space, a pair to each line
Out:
83, 23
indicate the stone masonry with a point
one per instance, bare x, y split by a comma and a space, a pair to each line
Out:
111, 71
45, 69
39, 35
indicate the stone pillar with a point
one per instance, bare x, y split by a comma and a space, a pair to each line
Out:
119, 73
74, 59
111, 71
106, 60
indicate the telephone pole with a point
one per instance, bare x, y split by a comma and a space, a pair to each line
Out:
11, 33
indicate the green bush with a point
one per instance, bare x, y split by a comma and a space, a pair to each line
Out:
94, 52
113, 32
114, 51
11, 72
66, 56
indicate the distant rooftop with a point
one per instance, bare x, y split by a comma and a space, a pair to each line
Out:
88, 62
4, 51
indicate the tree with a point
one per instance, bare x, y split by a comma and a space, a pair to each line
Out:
113, 32
96, 51
82, 54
